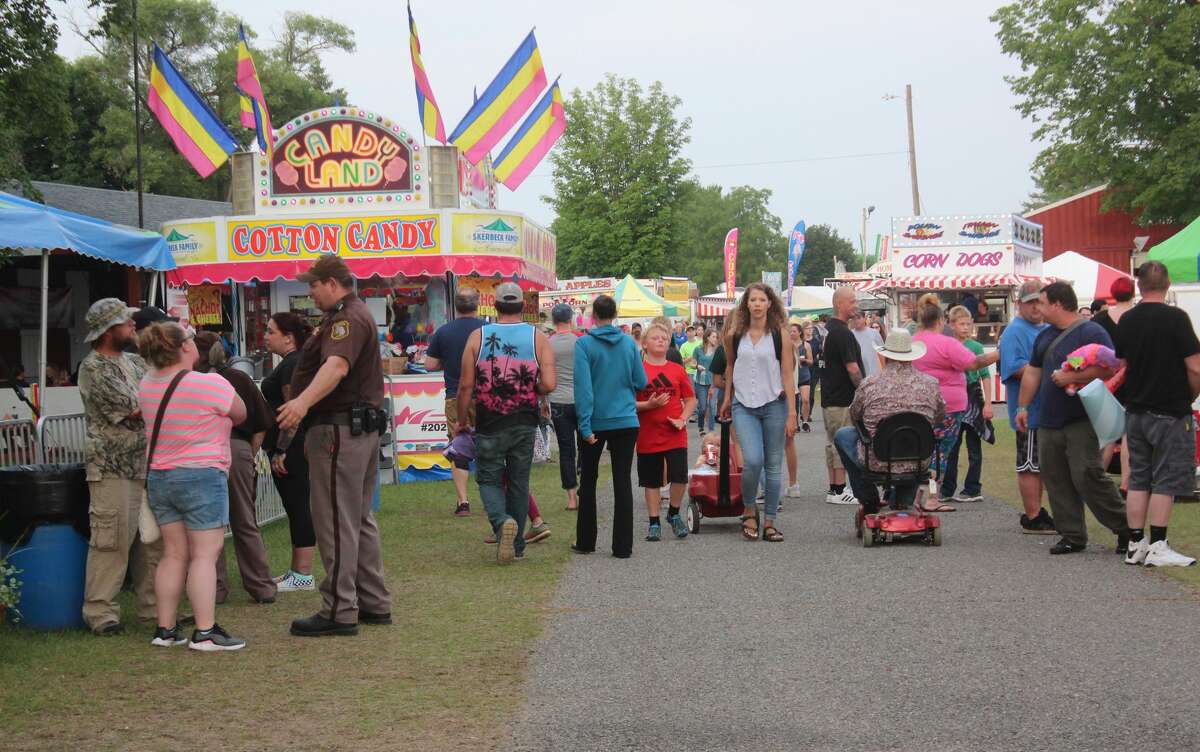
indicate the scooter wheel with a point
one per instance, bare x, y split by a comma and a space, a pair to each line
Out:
868, 537
936, 538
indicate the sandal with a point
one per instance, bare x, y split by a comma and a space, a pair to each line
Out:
939, 508
748, 532
771, 533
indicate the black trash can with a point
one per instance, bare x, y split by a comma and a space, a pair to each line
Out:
33, 495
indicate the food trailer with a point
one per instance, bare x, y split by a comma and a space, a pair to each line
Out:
413, 225
976, 259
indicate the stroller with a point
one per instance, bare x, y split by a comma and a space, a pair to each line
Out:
903, 437
718, 495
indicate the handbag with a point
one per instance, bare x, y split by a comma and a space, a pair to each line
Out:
541, 444
147, 524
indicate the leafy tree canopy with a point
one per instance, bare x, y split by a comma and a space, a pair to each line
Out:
1114, 86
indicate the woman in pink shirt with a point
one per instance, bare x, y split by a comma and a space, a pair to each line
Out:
947, 360
186, 481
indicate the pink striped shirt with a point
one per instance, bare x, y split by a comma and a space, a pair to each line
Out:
195, 429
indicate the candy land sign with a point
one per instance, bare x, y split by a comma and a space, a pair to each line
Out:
342, 155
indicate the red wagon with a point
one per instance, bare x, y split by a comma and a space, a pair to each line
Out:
716, 494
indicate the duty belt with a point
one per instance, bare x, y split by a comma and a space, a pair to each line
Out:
330, 419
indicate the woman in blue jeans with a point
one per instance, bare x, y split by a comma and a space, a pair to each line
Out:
760, 393
706, 406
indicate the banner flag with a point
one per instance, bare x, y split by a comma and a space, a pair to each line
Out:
194, 128
427, 107
795, 253
731, 263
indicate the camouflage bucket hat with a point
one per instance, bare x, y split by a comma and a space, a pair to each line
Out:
104, 315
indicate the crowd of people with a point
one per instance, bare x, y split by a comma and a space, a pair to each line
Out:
173, 432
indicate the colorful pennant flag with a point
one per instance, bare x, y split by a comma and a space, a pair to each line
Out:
546, 123
427, 108
503, 103
731, 263
197, 132
254, 113
795, 253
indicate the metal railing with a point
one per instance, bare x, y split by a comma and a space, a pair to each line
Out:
60, 439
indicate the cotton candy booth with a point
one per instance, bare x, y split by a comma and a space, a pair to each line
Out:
413, 225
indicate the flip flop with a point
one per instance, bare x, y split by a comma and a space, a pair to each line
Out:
939, 508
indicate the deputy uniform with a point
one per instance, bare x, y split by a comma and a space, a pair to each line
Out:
343, 458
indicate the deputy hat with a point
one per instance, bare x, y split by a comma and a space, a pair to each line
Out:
899, 346
509, 292
327, 267
1030, 291
104, 315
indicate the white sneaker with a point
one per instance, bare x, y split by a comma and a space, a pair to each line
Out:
1161, 555
793, 492
293, 582
1137, 552
843, 499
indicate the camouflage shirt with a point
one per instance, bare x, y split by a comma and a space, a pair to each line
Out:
116, 443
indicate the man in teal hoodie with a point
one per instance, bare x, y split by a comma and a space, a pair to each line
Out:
608, 375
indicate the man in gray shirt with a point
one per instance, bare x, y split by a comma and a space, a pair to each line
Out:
868, 339
562, 399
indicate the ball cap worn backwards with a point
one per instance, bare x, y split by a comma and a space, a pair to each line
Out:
509, 292
104, 315
326, 267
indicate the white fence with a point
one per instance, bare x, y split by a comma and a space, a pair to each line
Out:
59, 439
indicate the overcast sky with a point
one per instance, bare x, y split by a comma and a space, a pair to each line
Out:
779, 93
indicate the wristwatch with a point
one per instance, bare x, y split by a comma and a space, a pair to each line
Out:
1022, 408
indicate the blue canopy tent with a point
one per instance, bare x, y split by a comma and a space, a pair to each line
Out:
32, 229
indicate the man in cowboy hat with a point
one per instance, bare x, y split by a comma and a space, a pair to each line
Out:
115, 456
898, 388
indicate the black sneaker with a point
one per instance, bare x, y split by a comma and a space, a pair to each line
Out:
214, 640
1122, 544
366, 617
167, 638
1042, 524
318, 626
1065, 546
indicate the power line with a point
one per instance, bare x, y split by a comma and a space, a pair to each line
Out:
802, 160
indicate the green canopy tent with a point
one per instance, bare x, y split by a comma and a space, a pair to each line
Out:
635, 301
1180, 253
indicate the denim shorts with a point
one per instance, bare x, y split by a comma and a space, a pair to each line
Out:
199, 496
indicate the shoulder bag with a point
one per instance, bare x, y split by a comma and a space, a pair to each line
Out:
147, 524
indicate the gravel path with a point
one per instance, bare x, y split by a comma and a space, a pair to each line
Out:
713, 643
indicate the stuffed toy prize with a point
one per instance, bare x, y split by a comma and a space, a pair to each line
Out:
1093, 355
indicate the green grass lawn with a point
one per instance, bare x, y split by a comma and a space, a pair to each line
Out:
447, 675
1000, 481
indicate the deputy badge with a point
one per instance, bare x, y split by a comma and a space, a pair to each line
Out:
340, 330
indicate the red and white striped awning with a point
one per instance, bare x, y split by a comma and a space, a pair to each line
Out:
946, 282
708, 308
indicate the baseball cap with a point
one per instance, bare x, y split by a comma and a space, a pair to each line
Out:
326, 267
1121, 288
1030, 291
151, 315
561, 313
103, 315
509, 292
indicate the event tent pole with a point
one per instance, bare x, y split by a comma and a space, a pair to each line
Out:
41, 376
153, 288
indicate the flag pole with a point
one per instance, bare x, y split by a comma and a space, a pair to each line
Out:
137, 116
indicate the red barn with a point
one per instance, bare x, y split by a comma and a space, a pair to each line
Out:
1078, 224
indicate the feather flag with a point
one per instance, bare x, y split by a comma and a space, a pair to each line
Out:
197, 132
795, 253
503, 103
254, 111
427, 107
547, 121
731, 263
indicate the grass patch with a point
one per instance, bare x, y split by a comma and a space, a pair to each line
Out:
447, 675
1000, 481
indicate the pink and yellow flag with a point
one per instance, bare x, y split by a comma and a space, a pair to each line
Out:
427, 107
254, 113
546, 123
731, 263
505, 100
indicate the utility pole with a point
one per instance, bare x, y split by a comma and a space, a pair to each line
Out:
866, 213
137, 115
912, 151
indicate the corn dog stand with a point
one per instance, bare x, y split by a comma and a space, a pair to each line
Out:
413, 224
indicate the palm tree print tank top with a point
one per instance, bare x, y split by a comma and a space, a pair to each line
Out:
506, 377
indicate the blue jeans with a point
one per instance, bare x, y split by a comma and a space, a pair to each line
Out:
566, 431
971, 485
502, 463
847, 442
704, 407
760, 432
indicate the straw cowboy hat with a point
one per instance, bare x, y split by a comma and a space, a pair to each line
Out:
899, 346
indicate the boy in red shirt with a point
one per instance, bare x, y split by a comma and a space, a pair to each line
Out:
663, 407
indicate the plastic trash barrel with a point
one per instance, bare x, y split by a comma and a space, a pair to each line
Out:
53, 564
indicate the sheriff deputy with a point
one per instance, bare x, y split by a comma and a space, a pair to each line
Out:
339, 383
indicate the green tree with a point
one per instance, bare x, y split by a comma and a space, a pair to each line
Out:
821, 244
1114, 86
618, 179
705, 215
31, 88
